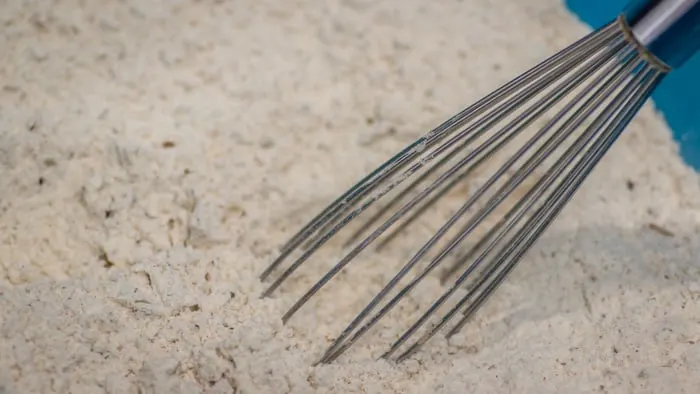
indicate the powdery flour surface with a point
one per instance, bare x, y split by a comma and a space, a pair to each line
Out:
155, 154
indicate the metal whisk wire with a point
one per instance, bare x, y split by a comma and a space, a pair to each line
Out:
610, 75
536, 225
372, 181
519, 209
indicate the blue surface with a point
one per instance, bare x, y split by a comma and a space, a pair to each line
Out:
678, 96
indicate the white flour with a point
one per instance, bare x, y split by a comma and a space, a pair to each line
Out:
129, 129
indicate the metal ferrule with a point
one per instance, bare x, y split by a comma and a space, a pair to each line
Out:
666, 31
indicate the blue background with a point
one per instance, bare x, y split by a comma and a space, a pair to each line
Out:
678, 96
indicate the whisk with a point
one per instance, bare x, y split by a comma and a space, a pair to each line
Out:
537, 137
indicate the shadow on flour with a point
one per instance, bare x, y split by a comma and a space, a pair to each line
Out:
587, 271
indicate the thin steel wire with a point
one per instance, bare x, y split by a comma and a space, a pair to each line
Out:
375, 178
630, 98
612, 78
609, 83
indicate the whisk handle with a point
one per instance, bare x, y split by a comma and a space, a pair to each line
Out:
668, 29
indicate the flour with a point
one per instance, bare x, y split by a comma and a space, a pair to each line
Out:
156, 154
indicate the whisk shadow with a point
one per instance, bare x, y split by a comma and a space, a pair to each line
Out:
570, 272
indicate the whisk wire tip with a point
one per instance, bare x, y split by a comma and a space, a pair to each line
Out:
544, 131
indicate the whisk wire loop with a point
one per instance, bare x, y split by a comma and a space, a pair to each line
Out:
600, 82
